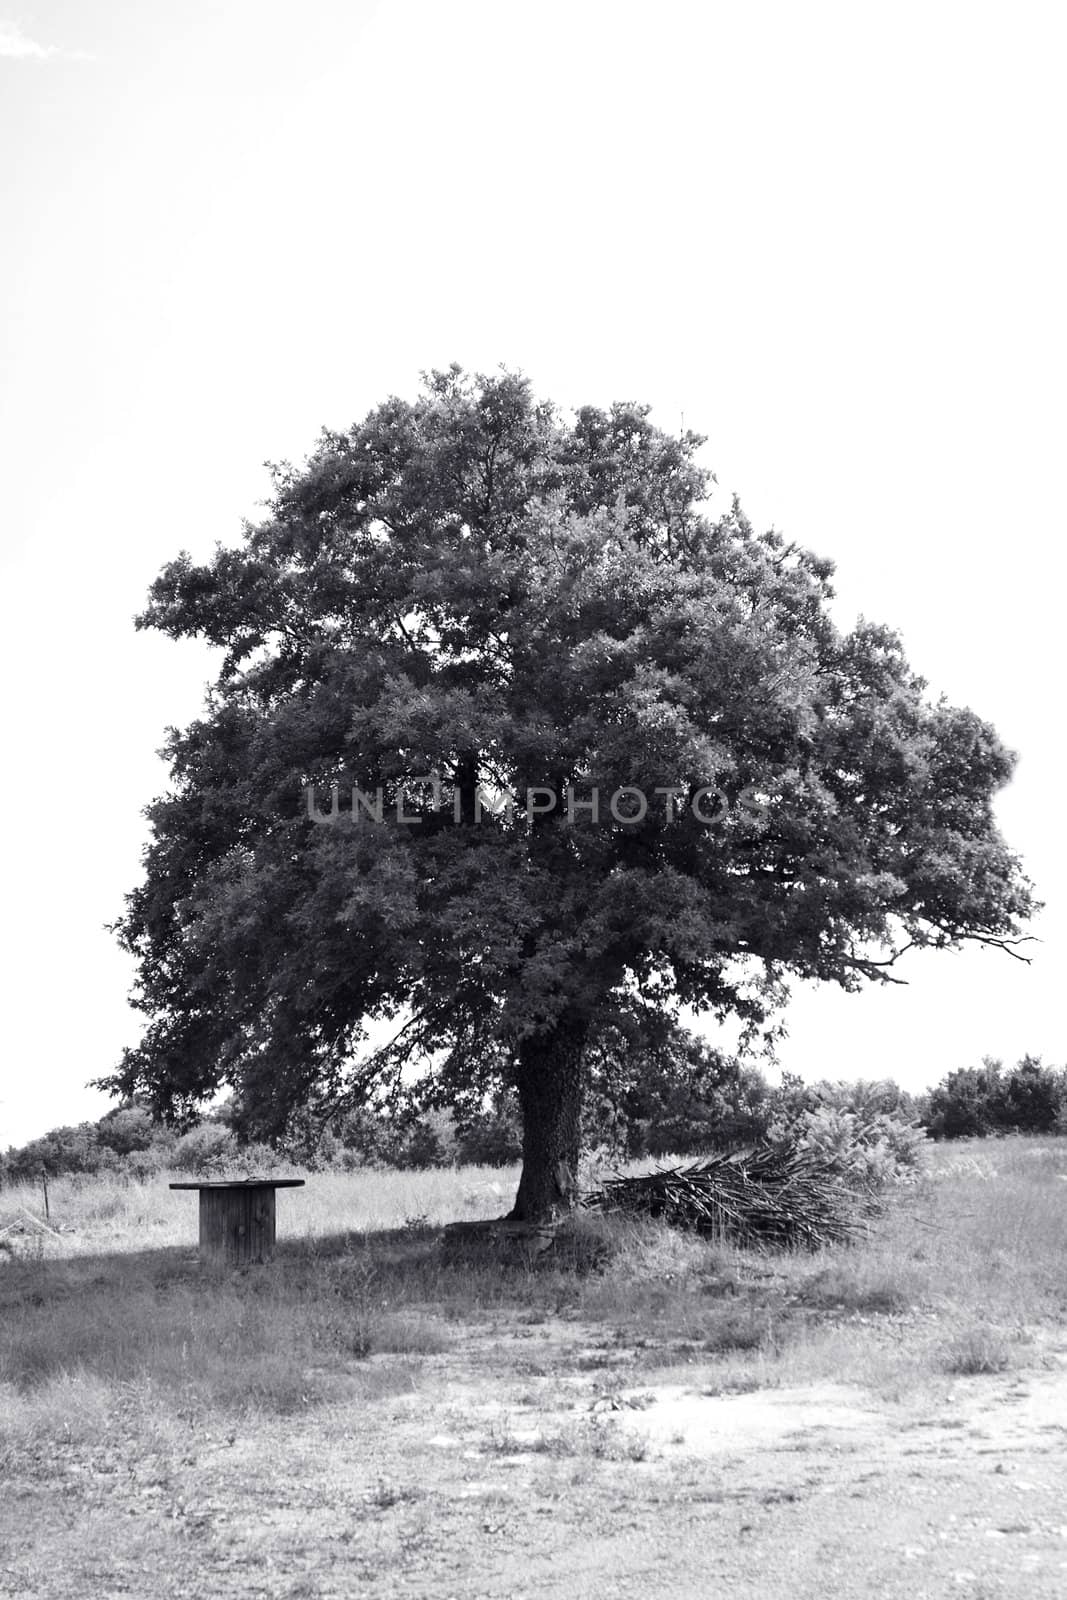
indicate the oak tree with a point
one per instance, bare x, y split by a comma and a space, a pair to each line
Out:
514, 743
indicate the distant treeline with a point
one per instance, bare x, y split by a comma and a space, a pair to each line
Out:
683, 1101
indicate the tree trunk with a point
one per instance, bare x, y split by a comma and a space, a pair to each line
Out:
550, 1097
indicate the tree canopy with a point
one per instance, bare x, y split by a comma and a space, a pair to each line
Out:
542, 613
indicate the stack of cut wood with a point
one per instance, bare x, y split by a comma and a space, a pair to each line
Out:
769, 1195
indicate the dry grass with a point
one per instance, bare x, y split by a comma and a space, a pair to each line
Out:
108, 1212
955, 1279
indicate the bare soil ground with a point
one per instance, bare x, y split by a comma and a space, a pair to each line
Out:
495, 1478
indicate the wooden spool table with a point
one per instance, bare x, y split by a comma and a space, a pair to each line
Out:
237, 1224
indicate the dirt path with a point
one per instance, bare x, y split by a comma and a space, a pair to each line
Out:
511, 1481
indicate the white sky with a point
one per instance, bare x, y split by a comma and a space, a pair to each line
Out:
829, 236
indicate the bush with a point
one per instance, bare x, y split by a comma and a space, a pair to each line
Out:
143, 1164
365, 1136
61, 1152
428, 1140
209, 1148
493, 1138
1031, 1097
974, 1102
963, 1104
865, 1097
866, 1152
674, 1094
132, 1128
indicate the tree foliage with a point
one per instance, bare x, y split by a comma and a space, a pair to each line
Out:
474, 586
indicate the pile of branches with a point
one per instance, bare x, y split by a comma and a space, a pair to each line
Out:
769, 1196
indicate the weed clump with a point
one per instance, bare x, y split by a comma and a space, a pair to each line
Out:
978, 1351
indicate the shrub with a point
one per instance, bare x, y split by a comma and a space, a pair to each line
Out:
58, 1153
866, 1097
204, 1149
366, 1137
974, 1102
428, 1140
493, 1138
866, 1152
962, 1105
1030, 1097
132, 1128
671, 1094
143, 1164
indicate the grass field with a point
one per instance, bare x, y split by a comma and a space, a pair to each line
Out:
358, 1417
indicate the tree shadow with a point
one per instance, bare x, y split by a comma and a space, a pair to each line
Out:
71, 1268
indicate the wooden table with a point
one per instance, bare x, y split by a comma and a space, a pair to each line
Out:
237, 1218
